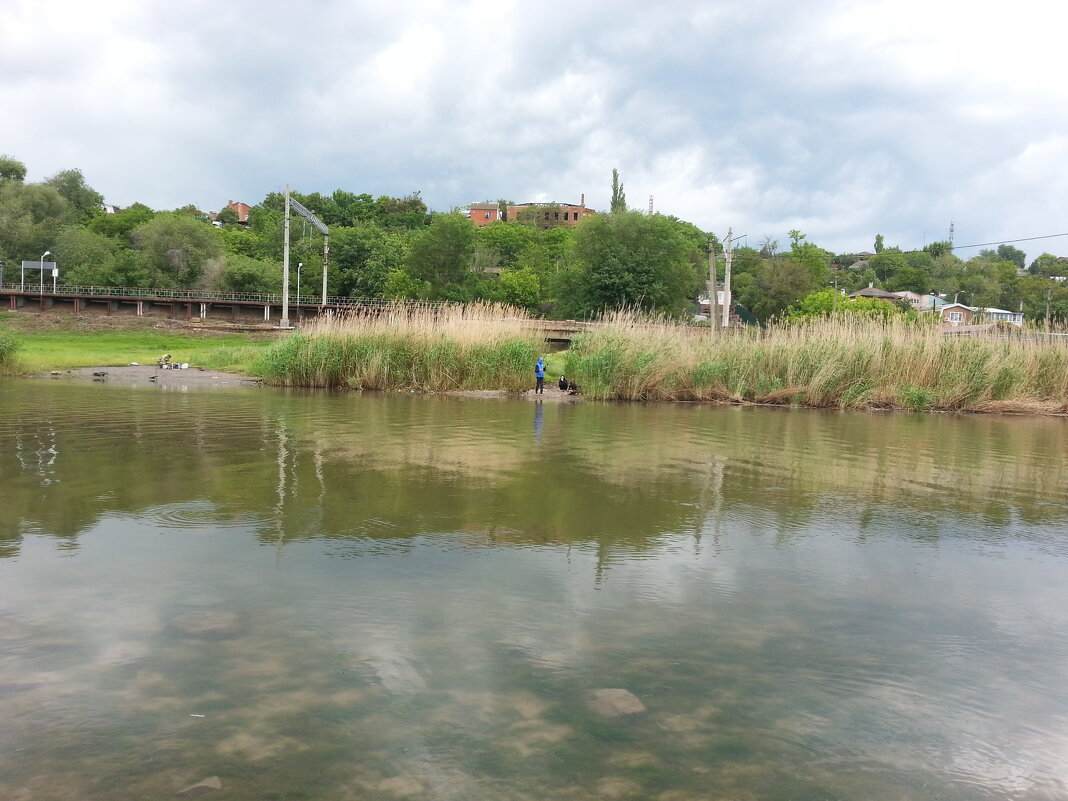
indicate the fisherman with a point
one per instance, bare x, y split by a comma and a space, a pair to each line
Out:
539, 376
164, 361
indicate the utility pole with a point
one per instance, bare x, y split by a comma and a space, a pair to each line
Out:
285, 267
713, 300
728, 253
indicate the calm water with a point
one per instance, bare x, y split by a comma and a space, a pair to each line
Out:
324, 596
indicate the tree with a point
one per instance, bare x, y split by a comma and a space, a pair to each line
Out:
519, 288
937, 249
1048, 264
775, 286
632, 259
878, 243
825, 303
86, 257
1011, 254
11, 169
174, 249
619, 198
121, 224
441, 254
85, 200
243, 274
506, 241
227, 216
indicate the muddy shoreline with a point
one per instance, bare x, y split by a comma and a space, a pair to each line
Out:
147, 375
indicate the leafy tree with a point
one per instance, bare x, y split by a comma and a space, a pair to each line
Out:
11, 169
406, 212
121, 224
244, 274
619, 197
400, 284
363, 256
907, 278
774, 287
228, 216
878, 243
815, 259
825, 303
86, 257
505, 241
174, 249
1011, 254
519, 288
632, 259
441, 254
1048, 264
937, 249
886, 263
84, 200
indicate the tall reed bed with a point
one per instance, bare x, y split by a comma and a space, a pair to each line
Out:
828, 363
9, 346
479, 346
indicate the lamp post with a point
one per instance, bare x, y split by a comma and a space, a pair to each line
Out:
299, 265
41, 271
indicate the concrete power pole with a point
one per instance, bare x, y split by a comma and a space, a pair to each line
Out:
285, 268
713, 300
728, 253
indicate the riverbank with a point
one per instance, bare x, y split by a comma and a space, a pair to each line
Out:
47, 342
489, 351
149, 375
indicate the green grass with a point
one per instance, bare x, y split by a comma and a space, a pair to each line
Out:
59, 350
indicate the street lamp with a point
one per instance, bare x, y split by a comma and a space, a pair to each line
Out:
299, 265
41, 271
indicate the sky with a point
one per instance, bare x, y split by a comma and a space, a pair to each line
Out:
839, 119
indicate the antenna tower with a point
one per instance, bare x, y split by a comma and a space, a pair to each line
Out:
650, 205
951, 234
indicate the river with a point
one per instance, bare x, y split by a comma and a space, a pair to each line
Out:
332, 596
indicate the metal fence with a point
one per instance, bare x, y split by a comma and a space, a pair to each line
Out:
204, 296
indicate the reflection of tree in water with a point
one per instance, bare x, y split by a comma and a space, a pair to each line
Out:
308, 465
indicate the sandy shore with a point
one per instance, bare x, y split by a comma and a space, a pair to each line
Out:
146, 375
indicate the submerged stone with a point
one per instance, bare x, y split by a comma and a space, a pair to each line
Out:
207, 624
208, 785
614, 702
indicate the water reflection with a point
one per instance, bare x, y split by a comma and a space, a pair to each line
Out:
337, 597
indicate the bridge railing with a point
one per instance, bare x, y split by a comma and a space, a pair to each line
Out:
205, 296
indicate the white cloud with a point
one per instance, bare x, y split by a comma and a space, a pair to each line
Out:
844, 119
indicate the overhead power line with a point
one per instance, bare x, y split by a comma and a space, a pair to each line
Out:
1008, 241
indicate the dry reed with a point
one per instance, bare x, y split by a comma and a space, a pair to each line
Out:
400, 346
823, 363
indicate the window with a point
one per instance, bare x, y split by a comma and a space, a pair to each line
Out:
487, 215
565, 216
956, 317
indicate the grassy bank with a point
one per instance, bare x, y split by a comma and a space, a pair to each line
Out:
30, 344
476, 347
824, 363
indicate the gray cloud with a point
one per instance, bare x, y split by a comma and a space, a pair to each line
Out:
841, 119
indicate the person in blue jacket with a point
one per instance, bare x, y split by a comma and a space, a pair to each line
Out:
539, 375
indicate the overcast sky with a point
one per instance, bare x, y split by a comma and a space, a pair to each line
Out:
841, 119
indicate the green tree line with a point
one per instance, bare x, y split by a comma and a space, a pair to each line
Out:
396, 247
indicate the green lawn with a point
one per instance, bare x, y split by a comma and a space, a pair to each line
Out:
59, 350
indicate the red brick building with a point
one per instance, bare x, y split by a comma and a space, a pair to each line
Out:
483, 214
550, 215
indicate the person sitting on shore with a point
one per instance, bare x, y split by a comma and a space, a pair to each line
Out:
563, 384
164, 361
572, 388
